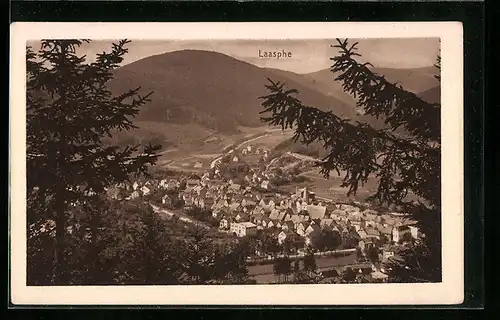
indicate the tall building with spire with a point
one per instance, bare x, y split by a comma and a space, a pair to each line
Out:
304, 194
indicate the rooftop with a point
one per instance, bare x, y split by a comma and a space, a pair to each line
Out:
247, 224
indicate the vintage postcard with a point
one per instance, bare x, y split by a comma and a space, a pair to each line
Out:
236, 163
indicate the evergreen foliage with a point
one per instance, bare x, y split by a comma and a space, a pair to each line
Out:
404, 156
76, 234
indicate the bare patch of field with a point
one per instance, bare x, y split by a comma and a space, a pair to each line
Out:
331, 188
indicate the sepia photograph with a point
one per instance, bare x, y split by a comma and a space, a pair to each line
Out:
238, 162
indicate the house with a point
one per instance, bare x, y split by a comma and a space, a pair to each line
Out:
135, 185
414, 231
287, 225
265, 221
315, 221
224, 223
362, 233
265, 184
300, 228
198, 164
304, 194
145, 190
278, 224
388, 252
370, 217
218, 212
372, 233
316, 212
365, 244
357, 224
295, 219
208, 202
389, 222
334, 227
188, 202
289, 236
215, 163
235, 159
166, 200
310, 237
378, 275
134, 195
400, 233
248, 203
271, 224
312, 230
242, 217
114, 193
365, 268
234, 187
370, 223
274, 214
234, 206
272, 204
281, 215
242, 229
257, 218
199, 202
218, 204
385, 231
262, 203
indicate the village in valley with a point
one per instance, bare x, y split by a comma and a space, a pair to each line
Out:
251, 194
209, 167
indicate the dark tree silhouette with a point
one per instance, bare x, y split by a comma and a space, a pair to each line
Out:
287, 267
310, 263
278, 268
372, 254
348, 275
327, 240
296, 266
359, 254
403, 154
69, 112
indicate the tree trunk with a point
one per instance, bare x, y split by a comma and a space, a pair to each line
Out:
59, 271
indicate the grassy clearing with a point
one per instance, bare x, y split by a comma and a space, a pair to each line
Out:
331, 188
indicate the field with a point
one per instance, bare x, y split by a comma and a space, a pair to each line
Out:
197, 149
269, 140
330, 189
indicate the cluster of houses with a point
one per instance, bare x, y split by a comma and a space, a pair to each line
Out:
249, 149
242, 209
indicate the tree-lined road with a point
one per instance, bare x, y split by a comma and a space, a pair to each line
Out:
265, 273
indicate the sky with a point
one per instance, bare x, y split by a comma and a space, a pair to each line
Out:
307, 55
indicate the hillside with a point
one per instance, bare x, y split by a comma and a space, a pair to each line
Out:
432, 95
315, 149
415, 80
328, 86
208, 88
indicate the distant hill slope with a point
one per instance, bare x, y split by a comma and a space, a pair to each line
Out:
209, 88
328, 86
432, 95
414, 80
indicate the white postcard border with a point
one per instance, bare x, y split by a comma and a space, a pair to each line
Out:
450, 291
